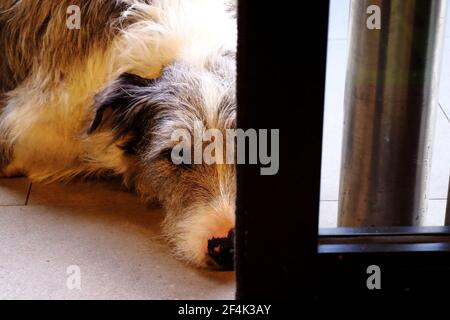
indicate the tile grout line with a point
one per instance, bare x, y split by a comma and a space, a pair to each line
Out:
28, 193
443, 111
11, 205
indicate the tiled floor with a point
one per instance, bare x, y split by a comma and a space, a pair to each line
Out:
334, 97
103, 230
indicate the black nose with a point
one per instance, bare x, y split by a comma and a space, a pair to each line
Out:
221, 250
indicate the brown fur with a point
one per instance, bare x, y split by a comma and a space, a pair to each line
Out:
43, 38
106, 98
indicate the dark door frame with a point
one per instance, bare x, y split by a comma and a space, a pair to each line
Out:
279, 251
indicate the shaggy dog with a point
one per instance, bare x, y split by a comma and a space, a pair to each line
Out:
105, 99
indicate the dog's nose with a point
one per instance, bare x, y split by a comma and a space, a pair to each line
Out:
221, 251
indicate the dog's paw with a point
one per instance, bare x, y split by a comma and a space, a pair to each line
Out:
221, 251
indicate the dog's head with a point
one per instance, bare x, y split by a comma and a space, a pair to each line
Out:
152, 117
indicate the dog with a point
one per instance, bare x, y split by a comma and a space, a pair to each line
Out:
103, 99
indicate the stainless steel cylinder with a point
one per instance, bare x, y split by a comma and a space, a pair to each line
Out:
390, 105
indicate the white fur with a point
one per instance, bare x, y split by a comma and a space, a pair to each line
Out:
47, 127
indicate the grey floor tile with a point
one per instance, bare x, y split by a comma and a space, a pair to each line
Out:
13, 191
117, 249
81, 193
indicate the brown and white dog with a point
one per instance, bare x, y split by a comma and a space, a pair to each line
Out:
105, 99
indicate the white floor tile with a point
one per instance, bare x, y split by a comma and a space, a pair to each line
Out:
444, 85
328, 214
436, 213
440, 162
333, 119
447, 25
339, 14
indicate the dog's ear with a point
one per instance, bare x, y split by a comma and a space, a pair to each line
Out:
120, 103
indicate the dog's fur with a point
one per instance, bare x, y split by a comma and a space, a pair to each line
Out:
106, 98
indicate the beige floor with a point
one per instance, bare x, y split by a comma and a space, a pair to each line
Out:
102, 230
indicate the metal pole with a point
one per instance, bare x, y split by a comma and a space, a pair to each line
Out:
390, 106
